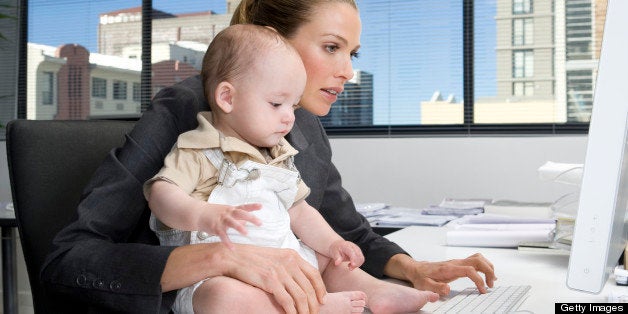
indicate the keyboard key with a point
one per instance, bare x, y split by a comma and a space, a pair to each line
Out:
496, 300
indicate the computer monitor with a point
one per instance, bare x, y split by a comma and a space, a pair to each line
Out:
600, 231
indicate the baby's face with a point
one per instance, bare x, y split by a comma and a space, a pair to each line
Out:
265, 99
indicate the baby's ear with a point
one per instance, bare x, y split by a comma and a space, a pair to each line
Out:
224, 96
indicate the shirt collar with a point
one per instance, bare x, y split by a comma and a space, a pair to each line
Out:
205, 136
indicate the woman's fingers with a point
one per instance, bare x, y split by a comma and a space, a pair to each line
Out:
296, 286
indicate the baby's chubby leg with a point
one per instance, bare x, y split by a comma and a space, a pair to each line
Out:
228, 295
382, 296
339, 301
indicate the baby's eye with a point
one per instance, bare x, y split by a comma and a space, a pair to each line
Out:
275, 104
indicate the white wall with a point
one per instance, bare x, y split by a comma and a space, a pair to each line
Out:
417, 172
421, 171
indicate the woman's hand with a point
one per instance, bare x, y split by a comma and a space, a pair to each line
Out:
435, 276
345, 251
295, 284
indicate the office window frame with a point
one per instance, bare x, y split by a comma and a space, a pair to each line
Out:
467, 128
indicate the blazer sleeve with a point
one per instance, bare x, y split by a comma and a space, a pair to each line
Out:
108, 258
331, 199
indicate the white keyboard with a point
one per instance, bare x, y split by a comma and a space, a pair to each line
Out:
504, 299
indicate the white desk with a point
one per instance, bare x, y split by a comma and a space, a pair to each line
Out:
545, 272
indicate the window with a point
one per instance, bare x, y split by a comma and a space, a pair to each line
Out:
521, 6
579, 29
137, 92
414, 73
99, 87
523, 32
579, 94
47, 93
523, 89
522, 63
119, 90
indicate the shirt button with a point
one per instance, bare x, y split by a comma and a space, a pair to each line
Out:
202, 235
115, 285
81, 280
253, 174
98, 283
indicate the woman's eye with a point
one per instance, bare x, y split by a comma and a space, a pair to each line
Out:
331, 48
355, 55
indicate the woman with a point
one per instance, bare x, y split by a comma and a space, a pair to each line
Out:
108, 257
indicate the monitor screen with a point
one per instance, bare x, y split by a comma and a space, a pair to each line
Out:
600, 230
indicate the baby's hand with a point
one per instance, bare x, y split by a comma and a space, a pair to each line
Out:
345, 251
216, 219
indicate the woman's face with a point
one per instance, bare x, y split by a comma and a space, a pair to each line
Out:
327, 44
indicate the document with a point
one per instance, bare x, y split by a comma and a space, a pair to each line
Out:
404, 217
496, 238
382, 215
457, 207
488, 230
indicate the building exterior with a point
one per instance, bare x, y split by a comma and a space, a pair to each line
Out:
120, 29
526, 45
69, 82
584, 25
354, 106
546, 59
442, 111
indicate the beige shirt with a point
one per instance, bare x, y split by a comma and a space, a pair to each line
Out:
187, 166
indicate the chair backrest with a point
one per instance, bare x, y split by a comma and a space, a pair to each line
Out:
50, 162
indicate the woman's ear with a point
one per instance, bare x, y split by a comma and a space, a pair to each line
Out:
224, 96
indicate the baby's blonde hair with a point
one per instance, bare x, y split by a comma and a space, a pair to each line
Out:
234, 52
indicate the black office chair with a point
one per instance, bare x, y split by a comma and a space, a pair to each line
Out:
50, 162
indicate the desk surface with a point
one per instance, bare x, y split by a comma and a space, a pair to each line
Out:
545, 272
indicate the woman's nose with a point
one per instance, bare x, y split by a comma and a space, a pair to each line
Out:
346, 69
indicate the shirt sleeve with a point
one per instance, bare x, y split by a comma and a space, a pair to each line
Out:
185, 168
302, 191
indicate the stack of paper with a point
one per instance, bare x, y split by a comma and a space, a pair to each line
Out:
519, 209
457, 207
381, 215
499, 231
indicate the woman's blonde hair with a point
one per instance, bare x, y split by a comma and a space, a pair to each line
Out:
286, 16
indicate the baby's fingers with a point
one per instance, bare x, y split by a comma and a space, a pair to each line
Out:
224, 238
244, 216
250, 207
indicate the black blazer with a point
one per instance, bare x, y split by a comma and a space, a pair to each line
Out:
110, 260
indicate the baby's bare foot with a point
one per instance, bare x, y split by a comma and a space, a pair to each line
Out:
344, 302
399, 299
